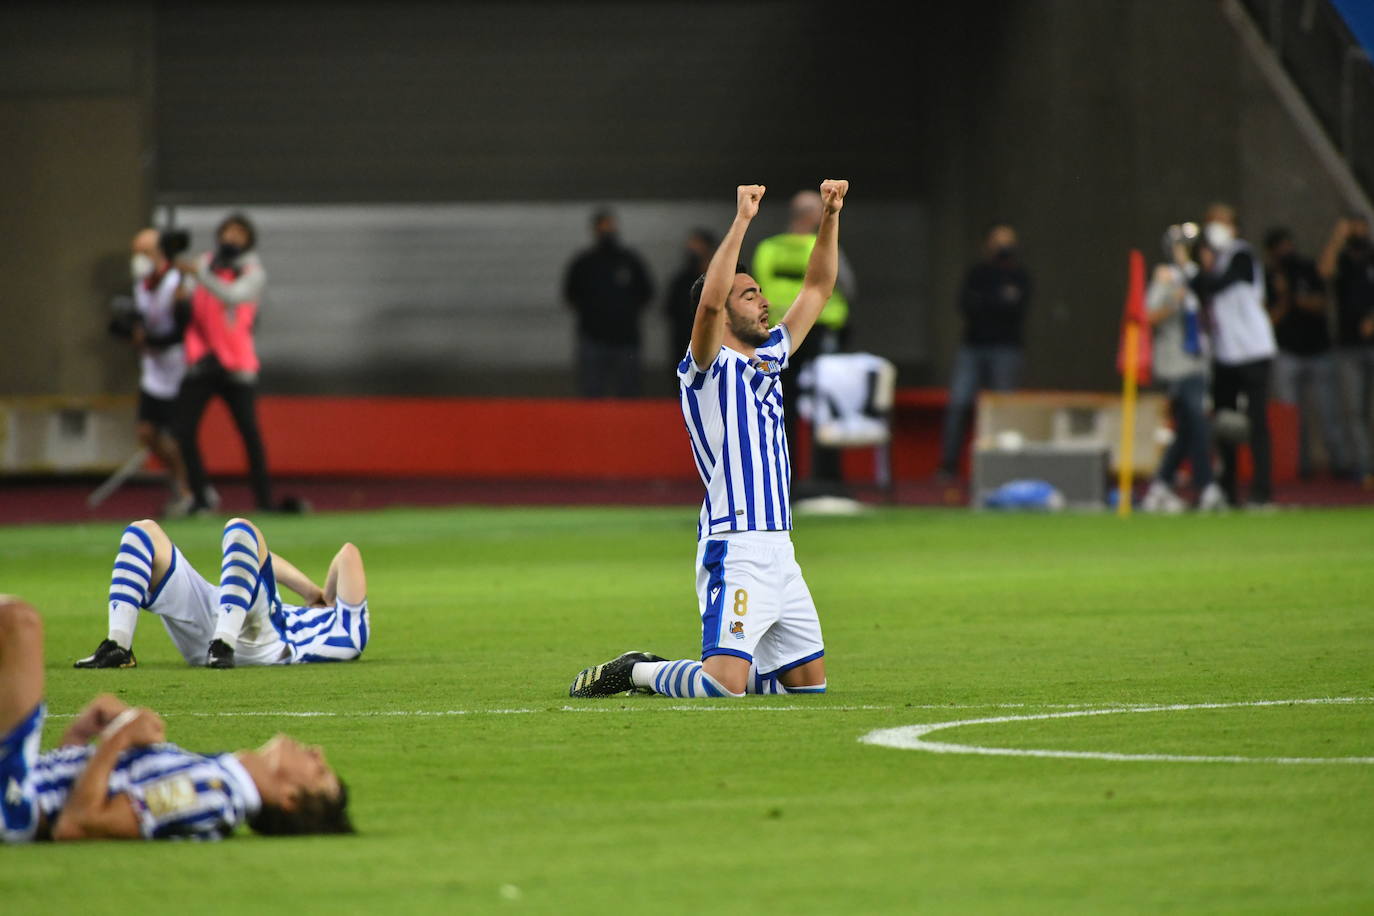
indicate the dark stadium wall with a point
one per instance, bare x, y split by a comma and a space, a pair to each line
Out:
75, 91
1089, 126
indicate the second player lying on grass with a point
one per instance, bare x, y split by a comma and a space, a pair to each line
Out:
760, 630
114, 776
242, 620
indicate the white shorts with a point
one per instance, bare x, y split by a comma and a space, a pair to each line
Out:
754, 602
189, 610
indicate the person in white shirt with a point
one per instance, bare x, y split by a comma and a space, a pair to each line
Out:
1229, 281
163, 310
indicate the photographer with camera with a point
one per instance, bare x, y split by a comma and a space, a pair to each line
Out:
1229, 281
220, 353
155, 325
1347, 263
1181, 348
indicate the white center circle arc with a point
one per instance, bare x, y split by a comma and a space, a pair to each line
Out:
913, 737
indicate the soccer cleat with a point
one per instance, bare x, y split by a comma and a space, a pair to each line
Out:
109, 654
221, 655
610, 678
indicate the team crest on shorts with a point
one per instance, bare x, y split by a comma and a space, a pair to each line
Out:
737, 629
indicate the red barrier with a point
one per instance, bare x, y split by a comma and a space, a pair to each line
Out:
564, 439
458, 437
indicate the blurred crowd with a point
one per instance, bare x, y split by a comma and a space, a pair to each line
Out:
1234, 328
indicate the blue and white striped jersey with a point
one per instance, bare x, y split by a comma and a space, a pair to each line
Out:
175, 793
733, 410
316, 634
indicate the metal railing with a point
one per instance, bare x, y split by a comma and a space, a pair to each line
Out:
1331, 69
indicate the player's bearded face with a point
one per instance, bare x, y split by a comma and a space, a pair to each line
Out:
747, 315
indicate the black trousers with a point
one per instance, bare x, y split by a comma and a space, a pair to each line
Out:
1252, 380
241, 398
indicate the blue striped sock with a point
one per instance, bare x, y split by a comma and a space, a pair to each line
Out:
766, 686
239, 577
129, 583
683, 678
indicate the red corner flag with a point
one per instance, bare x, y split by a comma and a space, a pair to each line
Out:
1134, 315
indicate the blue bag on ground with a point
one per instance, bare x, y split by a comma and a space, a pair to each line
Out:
1024, 494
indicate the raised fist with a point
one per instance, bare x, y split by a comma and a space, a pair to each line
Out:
747, 197
833, 191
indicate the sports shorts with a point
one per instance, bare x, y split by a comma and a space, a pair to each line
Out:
754, 602
189, 609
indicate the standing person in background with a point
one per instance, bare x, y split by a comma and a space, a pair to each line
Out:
1229, 281
681, 312
220, 353
608, 286
1180, 348
160, 318
1305, 369
779, 266
1347, 263
994, 302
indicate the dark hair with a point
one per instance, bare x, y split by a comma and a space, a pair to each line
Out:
315, 812
703, 235
1277, 236
701, 283
602, 214
244, 223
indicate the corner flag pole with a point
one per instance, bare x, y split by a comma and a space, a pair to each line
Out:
1126, 454
1129, 362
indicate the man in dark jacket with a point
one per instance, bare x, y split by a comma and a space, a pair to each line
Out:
608, 286
994, 301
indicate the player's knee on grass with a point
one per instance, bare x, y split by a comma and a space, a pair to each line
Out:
729, 671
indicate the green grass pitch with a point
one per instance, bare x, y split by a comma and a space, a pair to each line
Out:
479, 787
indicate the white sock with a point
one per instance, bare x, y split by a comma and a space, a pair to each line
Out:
240, 573
129, 583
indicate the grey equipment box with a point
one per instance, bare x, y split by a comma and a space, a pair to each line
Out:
1078, 473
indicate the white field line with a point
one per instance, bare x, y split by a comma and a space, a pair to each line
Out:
912, 737
645, 704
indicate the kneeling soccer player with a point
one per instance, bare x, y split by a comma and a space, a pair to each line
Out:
243, 620
760, 630
131, 784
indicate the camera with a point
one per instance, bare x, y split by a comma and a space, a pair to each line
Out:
123, 317
1185, 234
173, 242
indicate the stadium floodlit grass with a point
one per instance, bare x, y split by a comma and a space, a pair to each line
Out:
479, 786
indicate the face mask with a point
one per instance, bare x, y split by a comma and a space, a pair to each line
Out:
141, 266
1219, 235
228, 252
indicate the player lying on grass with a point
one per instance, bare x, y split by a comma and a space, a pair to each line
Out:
243, 620
760, 631
113, 776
